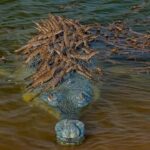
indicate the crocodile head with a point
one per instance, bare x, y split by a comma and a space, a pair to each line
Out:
68, 99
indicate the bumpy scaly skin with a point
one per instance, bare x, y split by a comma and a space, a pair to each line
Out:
73, 94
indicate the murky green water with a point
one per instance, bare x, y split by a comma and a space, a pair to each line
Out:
118, 120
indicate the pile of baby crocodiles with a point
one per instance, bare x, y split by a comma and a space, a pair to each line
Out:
61, 44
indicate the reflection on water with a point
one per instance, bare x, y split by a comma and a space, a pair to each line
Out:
119, 119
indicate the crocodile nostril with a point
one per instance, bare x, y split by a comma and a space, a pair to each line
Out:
71, 132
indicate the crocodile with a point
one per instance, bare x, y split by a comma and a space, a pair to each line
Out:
60, 65
66, 102
60, 62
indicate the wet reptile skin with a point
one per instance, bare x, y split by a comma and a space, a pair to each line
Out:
68, 99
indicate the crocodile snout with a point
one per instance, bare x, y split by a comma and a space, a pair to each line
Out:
69, 132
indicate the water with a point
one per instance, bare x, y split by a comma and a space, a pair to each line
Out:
118, 120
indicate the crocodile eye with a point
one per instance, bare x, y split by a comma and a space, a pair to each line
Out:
81, 96
85, 95
49, 97
83, 99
